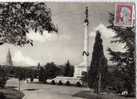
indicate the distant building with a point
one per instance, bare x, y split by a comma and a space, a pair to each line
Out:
9, 61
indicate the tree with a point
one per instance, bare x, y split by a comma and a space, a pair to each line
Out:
98, 66
3, 77
20, 72
18, 18
51, 70
69, 70
42, 75
125, 61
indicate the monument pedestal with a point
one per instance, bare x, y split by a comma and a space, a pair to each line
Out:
79, 69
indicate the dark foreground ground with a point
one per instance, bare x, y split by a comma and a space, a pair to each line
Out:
46, 91
91, 95
10, 93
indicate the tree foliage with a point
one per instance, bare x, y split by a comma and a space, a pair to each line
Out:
18, 18
21, 73
42, 74
98, 65
3, 77
49, 71
125, 61
69, 70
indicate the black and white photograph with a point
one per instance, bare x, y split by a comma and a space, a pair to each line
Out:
67, 50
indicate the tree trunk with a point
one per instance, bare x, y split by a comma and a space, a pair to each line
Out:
99, 83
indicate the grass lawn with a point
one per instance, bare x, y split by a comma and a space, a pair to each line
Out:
11, 93
91, 95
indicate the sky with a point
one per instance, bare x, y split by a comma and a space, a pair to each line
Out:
67, 44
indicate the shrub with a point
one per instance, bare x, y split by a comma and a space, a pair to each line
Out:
68, 83
78, 84
2, 83
53, 82
2, 96
60, 83
3, 77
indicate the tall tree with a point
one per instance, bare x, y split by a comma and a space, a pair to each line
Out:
42, 75
98, 66
69, 69
18, 18
125, 61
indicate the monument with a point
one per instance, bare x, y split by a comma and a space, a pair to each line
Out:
9, 59
83, 67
